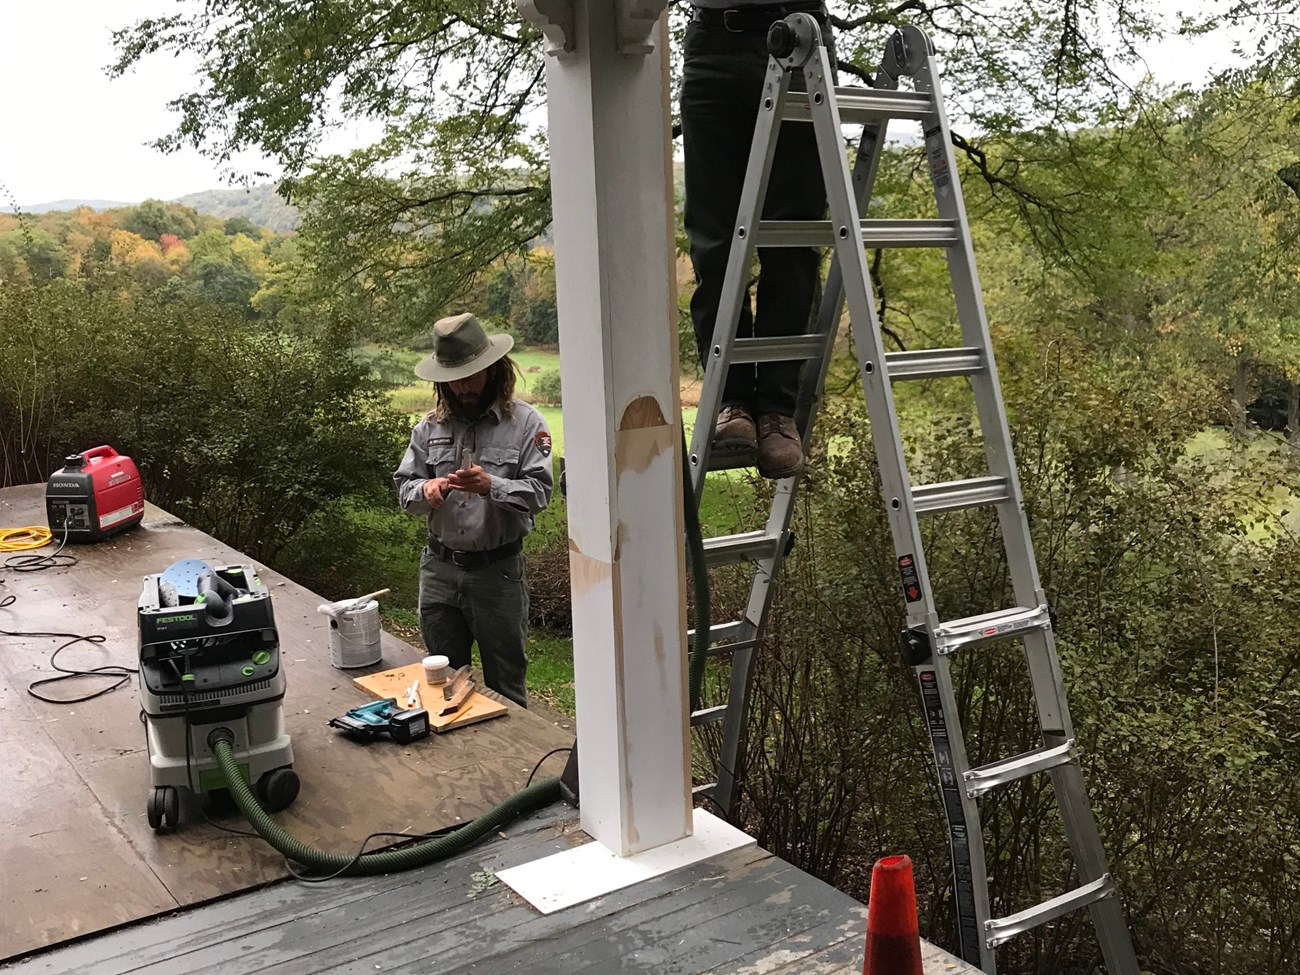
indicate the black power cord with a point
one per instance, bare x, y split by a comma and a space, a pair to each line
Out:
553, 751
38, 563
445, 831
118, 673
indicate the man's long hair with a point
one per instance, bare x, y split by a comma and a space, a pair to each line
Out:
499, 390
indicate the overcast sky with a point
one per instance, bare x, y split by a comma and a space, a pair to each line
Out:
67, 131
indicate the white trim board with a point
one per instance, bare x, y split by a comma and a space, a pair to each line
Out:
593, 870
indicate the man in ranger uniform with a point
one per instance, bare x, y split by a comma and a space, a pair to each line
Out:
722, 82
479, 467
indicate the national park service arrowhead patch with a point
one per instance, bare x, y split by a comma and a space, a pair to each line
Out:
543, 441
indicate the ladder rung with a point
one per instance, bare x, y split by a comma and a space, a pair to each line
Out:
1002, 930
955, 495
708, 715
933, 363
859, 105
726, 631
719, 461
987, 777
721, 631
777, 348
956, 634
910, 233
875, 233
734, 549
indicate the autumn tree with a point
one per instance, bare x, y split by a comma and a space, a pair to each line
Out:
457, 178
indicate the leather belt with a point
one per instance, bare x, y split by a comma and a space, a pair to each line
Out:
755, 19
475, 560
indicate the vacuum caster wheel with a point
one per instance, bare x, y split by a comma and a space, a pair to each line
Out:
164, 809
277, 789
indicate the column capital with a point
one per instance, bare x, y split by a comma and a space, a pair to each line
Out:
636, 24
554, 18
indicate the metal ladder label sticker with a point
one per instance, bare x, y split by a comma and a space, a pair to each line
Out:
911, 580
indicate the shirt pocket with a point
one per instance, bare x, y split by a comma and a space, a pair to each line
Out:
442, 460
501, 461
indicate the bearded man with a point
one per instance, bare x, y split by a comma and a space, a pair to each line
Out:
479, 468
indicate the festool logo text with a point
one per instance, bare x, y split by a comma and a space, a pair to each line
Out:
181, 619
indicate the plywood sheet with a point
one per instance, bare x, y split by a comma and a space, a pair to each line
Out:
394, 683
91, 755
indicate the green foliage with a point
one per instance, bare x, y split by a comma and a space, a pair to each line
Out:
244, 432
242, 225
161, 247
545, 387
153, 218
262, 204
1174, 640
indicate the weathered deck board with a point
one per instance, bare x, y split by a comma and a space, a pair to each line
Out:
75, 809
742, 913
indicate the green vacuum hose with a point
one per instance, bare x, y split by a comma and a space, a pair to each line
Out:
419, 854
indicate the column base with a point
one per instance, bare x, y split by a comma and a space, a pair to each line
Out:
593, 870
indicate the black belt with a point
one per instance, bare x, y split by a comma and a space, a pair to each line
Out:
475, 560
757, 18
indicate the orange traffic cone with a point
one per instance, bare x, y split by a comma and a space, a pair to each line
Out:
893, 940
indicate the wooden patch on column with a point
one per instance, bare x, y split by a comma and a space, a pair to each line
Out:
393, 683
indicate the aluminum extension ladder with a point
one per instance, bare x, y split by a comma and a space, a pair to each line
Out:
927, 641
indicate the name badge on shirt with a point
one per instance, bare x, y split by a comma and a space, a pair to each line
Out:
440, 441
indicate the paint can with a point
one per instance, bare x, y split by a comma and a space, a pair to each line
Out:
354, 637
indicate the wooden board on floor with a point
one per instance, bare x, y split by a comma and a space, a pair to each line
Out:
740, 913
79, 811
394, 683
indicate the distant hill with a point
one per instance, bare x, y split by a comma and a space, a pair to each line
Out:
56, 205
260, 204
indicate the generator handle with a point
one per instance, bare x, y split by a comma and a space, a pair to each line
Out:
104, 450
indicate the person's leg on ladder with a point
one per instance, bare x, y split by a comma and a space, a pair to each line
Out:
719, 107
786, 286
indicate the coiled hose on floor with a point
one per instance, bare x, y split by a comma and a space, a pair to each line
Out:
418, 854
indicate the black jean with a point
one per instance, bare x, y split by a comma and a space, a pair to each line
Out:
722, 82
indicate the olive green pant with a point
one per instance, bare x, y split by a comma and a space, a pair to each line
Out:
489, 605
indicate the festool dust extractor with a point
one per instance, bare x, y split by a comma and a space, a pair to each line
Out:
210, 658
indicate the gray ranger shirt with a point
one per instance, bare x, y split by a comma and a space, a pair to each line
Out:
733, 4
514, 449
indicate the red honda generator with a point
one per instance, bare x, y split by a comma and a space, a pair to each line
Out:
97, 493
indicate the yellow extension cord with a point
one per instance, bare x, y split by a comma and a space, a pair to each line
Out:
24, 539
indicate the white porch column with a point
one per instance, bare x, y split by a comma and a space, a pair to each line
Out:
612, 188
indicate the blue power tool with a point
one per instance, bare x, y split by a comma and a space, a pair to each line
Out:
384, 717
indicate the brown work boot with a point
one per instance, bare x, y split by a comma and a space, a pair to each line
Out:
734, 433
780, 452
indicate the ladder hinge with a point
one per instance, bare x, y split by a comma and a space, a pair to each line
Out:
916, 646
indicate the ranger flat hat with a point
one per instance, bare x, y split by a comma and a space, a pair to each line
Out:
460, 349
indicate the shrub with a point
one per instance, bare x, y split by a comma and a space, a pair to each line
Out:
545, 387
242, 431
1176, 619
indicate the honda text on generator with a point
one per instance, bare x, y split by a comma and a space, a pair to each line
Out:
210, 659
95, 494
